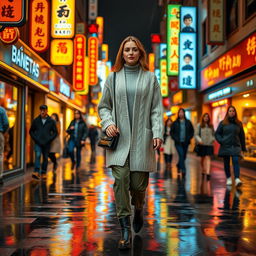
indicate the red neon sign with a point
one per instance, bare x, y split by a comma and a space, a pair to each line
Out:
93, 58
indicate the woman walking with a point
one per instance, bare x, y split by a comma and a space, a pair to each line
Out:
204, 136
182, 132
55, 145
168, 147
140, 126
78, 132
231, 137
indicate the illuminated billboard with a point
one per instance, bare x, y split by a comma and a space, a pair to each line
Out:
163, 78
62, 52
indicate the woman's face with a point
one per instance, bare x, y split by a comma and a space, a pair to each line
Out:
181, 114
231, 112
206, 118
131, 53
169, 122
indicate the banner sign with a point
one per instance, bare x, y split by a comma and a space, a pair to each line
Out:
100, 23
79, 63
215, 19
93, 59
104, 52
173, 29
236, 60
187, 48
39, 25
163, 78
62, 52
10, 35
12, 13
63, 18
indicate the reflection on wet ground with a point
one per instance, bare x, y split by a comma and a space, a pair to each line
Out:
73, 213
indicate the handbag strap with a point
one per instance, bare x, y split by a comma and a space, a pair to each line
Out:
114, 92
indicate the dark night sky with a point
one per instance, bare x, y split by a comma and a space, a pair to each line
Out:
122, 18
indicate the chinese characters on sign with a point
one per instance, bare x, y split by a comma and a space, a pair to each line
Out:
163, 78
63, 18
215, 22
173, 29
79, 63
12, 13
187, 49
61, 52
236, 60
93, 58
9, 35
39, 25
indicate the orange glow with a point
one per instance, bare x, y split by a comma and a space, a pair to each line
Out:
10, 35
178, 97
151, 61
93, 58
79, 63
63, 19
17, 13
219, 103
100, 23
39, 25
62, 52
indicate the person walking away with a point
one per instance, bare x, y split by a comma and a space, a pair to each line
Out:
93, 136
78, 132
168, 147
230, 135
138, 105
182, 132
4, 125
204, 136
43, 131
55, 145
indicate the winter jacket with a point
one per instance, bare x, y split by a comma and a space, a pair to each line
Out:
175, 131
43, 134
204, 135
81, 134
231, 138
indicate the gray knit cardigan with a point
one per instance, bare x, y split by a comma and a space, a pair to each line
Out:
147, 121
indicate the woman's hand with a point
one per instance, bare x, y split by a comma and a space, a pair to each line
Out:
157, 143
112, 131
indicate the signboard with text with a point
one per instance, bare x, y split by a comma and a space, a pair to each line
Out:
12, 13
62, 52
215, 33
236, 60
93, 59
163, 78
39, 25
10, 35
173, 29
79, 63
63, 18
151, 62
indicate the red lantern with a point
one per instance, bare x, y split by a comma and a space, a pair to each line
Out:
166, 102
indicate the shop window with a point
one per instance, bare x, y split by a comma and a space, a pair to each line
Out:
231, 16
11, 100
250, 8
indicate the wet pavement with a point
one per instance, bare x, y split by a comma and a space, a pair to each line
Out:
73, 213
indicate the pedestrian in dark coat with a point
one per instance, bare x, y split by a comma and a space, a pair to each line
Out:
182, 132
93, 136
231, 137
43, 131
78, 132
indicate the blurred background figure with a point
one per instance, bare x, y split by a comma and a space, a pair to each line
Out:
169, 147
182, 132
93, 136
204, 136
55, 146
78, 132
231, 137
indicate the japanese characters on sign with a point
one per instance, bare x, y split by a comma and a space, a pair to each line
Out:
215, 22
93, 58
187, 48
79, 63
12, 13
151, 62
173, 29
63, 18
236, 60
10, 35
163, 78
61, 52
39, 25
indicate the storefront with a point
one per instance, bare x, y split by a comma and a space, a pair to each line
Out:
231, 79
26, 82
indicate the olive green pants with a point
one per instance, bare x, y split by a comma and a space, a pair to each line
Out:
129, 183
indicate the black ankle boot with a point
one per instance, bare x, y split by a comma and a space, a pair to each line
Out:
137, 220
126, 236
